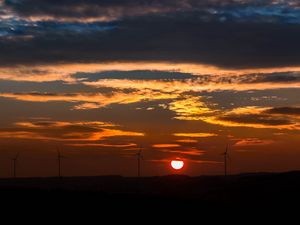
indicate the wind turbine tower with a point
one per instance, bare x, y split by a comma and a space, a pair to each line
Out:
14, 161
226, 157
59, 159
139, 157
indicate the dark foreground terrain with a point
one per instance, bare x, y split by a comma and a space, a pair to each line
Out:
240, 199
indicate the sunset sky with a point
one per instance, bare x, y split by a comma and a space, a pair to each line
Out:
102, 79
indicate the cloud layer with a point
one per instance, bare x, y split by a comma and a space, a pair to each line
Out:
181, 78
230, 34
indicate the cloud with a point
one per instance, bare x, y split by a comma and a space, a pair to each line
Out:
134, 75
224, 34
147, 73
89, 100
103, 145
195, 135
189, 108
50, 124
101, 135
202, 83
166, 146
275, 77
105, 10
185, 106
92, 10
66, 131
252, 142
292, 111
254, 117
187, 151
187, 141
24, 135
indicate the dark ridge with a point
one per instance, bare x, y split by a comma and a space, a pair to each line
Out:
246, 198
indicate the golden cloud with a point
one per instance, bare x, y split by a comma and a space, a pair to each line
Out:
189, 108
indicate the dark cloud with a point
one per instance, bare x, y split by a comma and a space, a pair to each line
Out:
111, 9
104, 8
134, 75
285, 77
293, 111
170, 39
48, 87
200, 34
256, 119
115, 9
282, 77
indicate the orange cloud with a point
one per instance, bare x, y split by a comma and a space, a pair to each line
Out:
90, 101
64, 72
104, 145
195, 135
254, 117
61, 124
189, 108
105, 133
24, 135
165, 145
189, 152
252, 142
60, 131
187, 141
192, 85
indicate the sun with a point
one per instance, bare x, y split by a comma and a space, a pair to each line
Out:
177, 164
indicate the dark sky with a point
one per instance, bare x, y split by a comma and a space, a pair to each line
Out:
102, 79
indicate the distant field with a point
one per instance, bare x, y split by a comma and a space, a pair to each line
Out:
243, 198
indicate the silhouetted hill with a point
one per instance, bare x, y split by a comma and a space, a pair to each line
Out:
246, 198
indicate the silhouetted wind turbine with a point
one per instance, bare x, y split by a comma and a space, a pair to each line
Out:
59, 159
14, 161
139, 157
226, 156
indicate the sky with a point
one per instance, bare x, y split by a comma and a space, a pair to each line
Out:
102, 79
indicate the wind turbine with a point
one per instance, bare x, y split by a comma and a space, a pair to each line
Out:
14, 161
139, 157
59, 159
226, 157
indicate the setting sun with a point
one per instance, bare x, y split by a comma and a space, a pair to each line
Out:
177, 164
